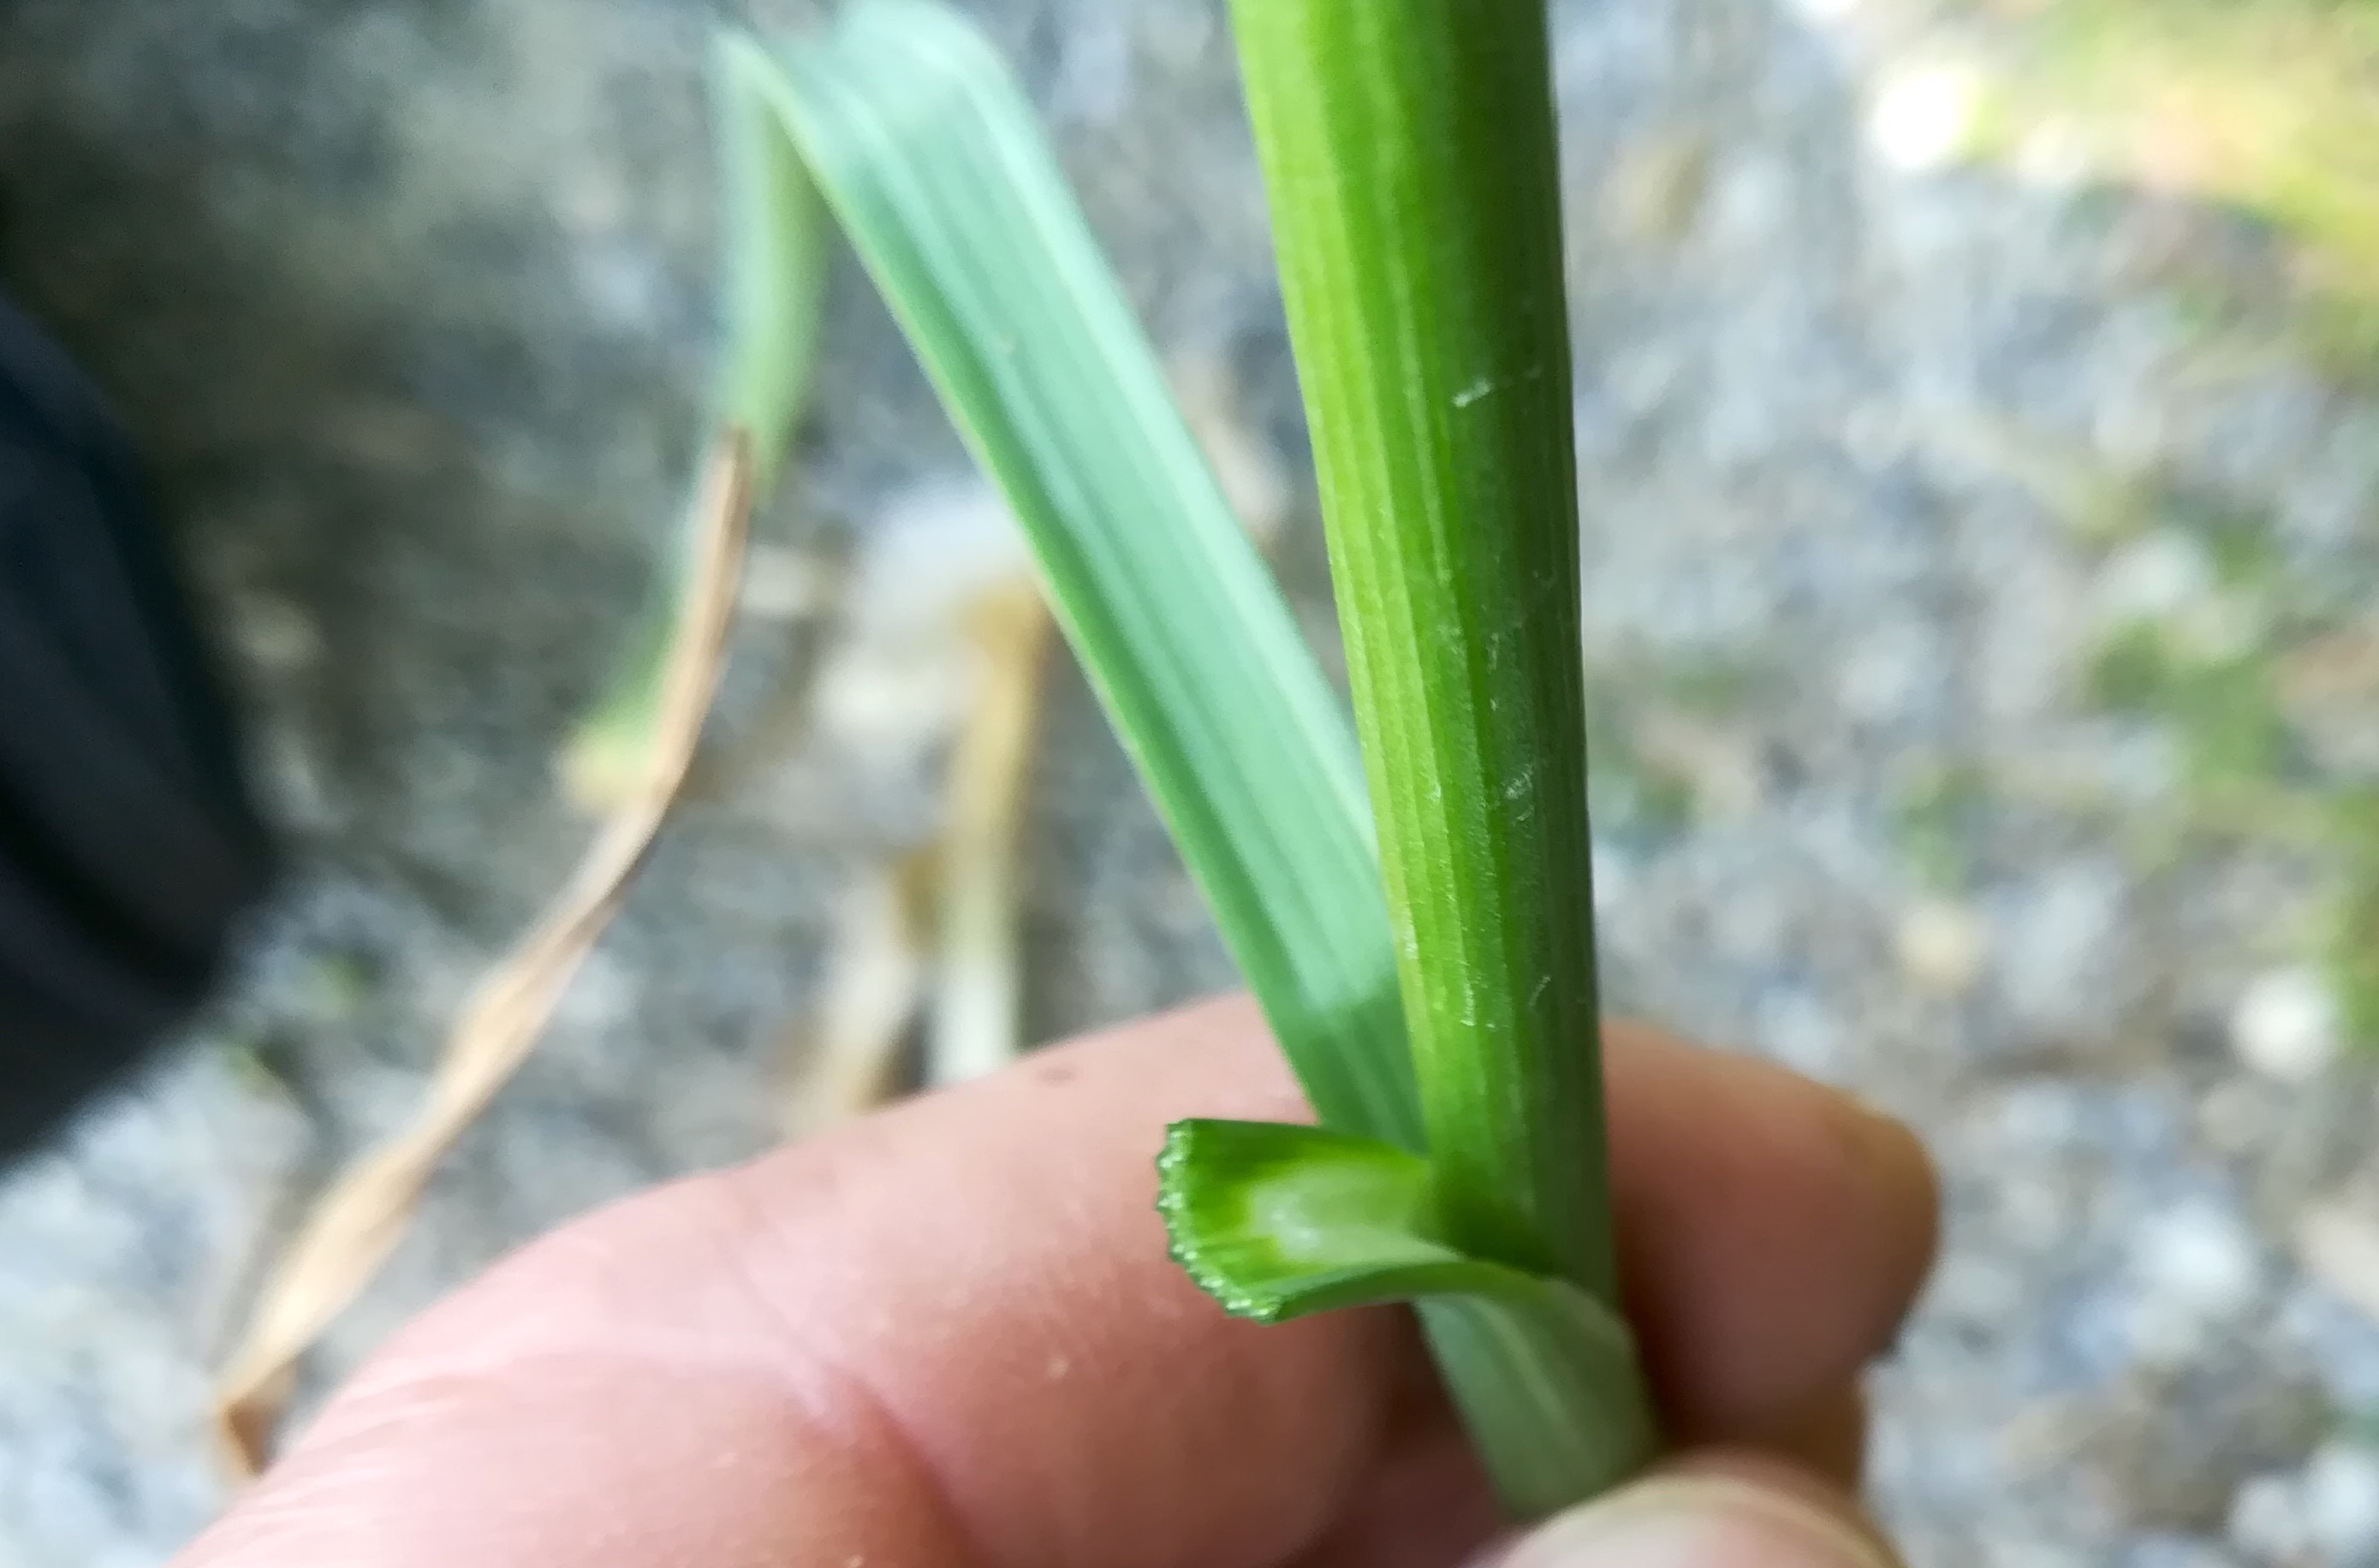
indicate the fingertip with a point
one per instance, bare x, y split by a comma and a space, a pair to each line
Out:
1713, 1510
1772, 1231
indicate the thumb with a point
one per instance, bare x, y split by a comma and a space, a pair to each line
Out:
1756, 1515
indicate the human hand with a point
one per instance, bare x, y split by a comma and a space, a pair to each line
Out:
949, 1336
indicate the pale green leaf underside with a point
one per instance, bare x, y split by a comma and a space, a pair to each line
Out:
1278, 1221
929, 156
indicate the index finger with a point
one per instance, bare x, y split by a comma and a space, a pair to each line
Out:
950, 1335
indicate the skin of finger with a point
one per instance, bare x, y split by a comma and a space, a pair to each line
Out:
1754, 1297
950, 1335
1760, 1508
1825, 1510
1828, 1438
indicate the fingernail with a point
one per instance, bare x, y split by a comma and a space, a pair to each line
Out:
1697, 1522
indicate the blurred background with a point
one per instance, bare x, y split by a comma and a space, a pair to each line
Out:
1980, 442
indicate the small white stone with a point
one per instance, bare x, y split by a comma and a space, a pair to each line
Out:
2060, 949
295, 780
893, 703
2163, 1334
604, 993
2195, 1269
1886, 674
2033, 1551
934, 550
2202, 1255
2055, 156
2341, 1502
1876, 433
780, 584
1925, 118
1656, 187
2042, 1118
1613, 878
2235, 1116
2338, 1244
2132, 432
2224, 627
2267, 1519
276, 635
2286, 1025
2037, 1215
2157, 575
621, 285
1800, 1032
1942, 947
1977, 1289
1094, 83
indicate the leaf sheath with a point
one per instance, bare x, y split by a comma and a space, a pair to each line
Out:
1408, 146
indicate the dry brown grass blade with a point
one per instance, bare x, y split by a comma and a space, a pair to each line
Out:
845, 1060
359, 1222
976, 1004
958, 898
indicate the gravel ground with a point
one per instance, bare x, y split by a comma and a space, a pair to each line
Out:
1984, 702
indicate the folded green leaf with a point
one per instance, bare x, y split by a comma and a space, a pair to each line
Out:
1275, 1221
772, 267
1408, 146
772, 240
1279, 1222
928, 155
